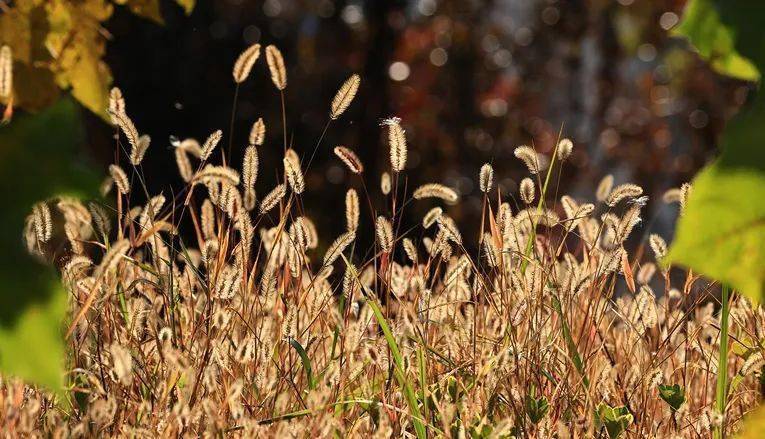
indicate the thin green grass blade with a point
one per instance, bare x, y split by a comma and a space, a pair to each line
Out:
406, 386
572, 350
721, 394
306, 362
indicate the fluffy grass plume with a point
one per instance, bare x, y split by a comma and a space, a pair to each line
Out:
198, 315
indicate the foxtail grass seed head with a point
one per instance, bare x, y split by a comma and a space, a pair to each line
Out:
257, 132
273, 198
250, 167
350, 159
249, 198
218, 175
112, 257
106, 186
184, 165
139, 151
397, 143
207, 216
486, 178
527, 190
410, 249
622, 192
243, 64
292, 156
385, 183
116, 103
535, 162
120, 179
646, 303
344, 96
384, 234
276, 66
646, 272
604, 188
436, 190
210, 144
42, 222
685, 192
191, 146
754, 362
100, 219
294, 175
127, 127
337, 247
352, 210
671, 196
565, 148
449, 227
431, 217
6, 72
150, 211
658, 245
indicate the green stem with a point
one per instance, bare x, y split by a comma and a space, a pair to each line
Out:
722, 367
532, 237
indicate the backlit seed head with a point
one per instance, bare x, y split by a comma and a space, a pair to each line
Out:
486, 178
565, 148
527, 190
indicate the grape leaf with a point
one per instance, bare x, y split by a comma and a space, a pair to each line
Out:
673, 395
722, 231
91, 79
59, 45
615, 419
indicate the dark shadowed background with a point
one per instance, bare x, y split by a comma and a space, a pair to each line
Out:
471, 80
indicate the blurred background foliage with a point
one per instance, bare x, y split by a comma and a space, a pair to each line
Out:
470, 79
722, 232
41, 156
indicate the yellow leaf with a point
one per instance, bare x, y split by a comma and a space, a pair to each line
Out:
187, 5
90, 79
754, 424
144, 8
15, 31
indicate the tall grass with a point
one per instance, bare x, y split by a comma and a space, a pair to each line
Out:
209, 312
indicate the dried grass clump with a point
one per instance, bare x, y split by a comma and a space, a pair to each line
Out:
250, 324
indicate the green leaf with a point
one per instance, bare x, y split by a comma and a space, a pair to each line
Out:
536, 408
38, 159
672, 395
714, 40
722, 231
615, 419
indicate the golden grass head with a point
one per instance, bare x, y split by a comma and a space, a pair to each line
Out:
344, 96
243, 64
276, 66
